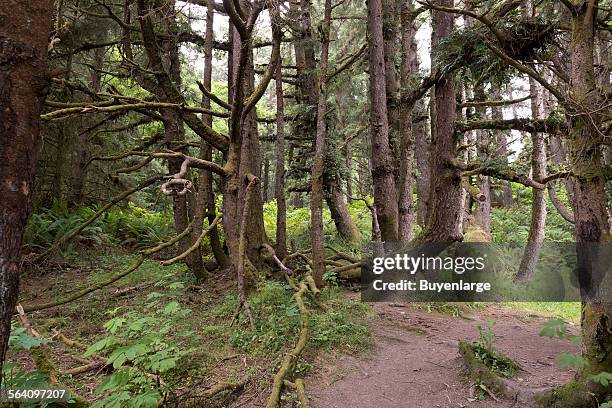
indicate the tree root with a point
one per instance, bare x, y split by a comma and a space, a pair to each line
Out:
226, 386
291, 357
300, 389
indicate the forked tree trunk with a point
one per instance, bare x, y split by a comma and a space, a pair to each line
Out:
444, 214
385, 191
24, 32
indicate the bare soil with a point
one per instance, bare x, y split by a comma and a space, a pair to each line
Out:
414, 362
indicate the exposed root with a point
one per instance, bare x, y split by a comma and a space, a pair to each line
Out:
300, 389
226, 386
291, 357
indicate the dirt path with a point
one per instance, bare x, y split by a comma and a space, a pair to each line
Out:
415, 364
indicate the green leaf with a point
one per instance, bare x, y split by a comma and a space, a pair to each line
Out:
603, 378
567, 360
553, 328
171, 308
99, 345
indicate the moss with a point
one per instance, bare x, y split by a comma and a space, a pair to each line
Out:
574, 394
478, 372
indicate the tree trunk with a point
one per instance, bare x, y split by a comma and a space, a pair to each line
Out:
408, 70
175, 131
24, 33
385, 191
338, 209
482, 212
318, 167
279, 173
205, 201
538, 205
444, 214
501, 150
421, 151
538, 168
591, 218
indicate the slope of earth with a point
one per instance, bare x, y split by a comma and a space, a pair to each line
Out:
414, 362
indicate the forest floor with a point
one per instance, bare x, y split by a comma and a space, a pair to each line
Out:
415, 363
382, 355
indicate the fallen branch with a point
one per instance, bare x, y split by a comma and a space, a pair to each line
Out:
112, 279
44, 363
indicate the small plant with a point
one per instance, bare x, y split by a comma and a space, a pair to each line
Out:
484, 351
141, 354
486, 336
14, 378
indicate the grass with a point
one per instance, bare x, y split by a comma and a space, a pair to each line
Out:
568, 311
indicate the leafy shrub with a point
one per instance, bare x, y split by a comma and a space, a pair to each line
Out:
48, 225
142, 352
133, 226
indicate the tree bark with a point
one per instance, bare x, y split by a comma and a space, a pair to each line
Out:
421, 151
538, 205
385, 191
205, 201
279, 173
318, 167
409, 68
24, 33
591, 218
444, 214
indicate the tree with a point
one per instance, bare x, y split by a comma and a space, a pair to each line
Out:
444, 214
24, 79
385, 191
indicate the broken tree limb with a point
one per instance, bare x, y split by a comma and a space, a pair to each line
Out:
79, 294
242, 250
287, 271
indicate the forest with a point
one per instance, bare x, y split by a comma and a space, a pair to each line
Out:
192, 193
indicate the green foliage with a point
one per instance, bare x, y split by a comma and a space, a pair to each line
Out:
143, 349
512, 225
484, 351
47, 225
136, 227
278, 321
13, 377
132, 227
